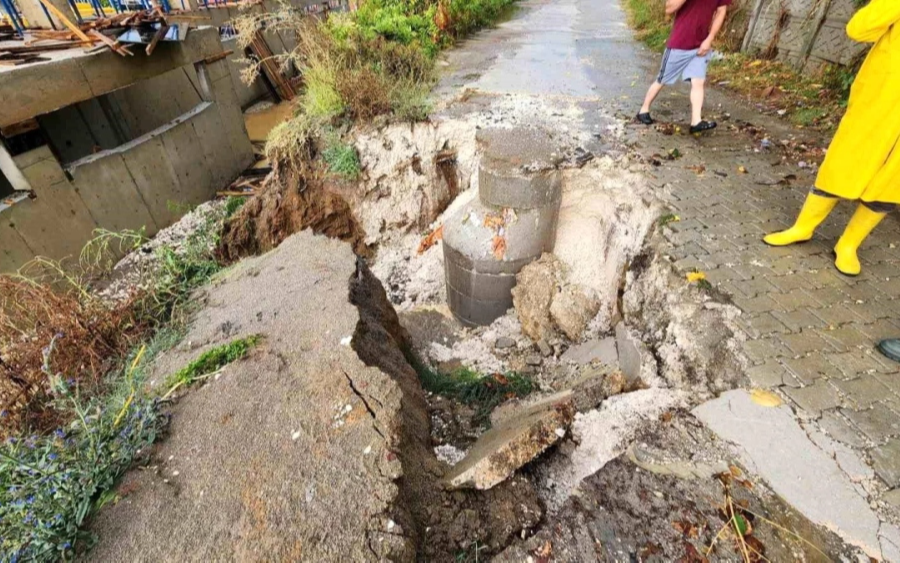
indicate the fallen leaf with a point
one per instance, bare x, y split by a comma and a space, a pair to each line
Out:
743, 525
494, 221
755, 63
674, 154
765, 398
431, 239
697, 168
736, 471
693, 277
498, 247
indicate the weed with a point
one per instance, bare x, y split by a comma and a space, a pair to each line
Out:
808, 117
666, 219
51, 484
291, 141
481, 392
341, 157
814, 100
211, 361
101, 252
233, 204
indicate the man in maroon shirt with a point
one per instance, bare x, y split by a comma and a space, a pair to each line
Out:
687, 53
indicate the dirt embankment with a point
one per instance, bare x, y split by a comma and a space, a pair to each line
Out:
410, 174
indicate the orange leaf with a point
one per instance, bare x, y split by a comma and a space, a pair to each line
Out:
494, 221
431, 239
498, 246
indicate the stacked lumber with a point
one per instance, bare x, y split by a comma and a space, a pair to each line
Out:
100, 33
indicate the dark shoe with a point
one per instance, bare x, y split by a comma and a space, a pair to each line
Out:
703, 126
890, 348
644, 118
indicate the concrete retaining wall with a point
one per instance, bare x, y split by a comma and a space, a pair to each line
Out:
145, 183
806, 33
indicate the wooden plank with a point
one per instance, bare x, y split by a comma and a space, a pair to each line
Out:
114, 45
19, 128
74, 28
219, 57
160, 33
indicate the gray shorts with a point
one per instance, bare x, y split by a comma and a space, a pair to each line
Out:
684, 65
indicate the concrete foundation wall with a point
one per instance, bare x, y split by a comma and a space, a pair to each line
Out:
147, 182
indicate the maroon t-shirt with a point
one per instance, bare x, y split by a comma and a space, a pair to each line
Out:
692, 23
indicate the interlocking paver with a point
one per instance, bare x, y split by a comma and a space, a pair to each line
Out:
810, 330
878, 423
754, 305
799, 320
886, 462
796, 299
754, 287
768, 375
863, 391
852, 364
838, 427
762, 349
808, 369
802, 343
816, 397
846, 337
837, 315
763, 324
788, 283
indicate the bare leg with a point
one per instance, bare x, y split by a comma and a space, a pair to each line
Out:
652, 92
697, 93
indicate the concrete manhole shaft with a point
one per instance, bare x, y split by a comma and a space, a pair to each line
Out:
511, 222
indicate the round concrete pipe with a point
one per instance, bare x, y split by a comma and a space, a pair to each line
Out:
479, 283
518, 169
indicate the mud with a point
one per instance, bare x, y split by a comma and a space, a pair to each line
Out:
627, 513
289, 203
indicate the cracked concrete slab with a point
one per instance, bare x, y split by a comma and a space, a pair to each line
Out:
809, 473
267, 462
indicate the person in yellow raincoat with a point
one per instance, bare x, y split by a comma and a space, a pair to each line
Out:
863, 161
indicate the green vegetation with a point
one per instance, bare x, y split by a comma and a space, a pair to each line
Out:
376, 63
481, 392
233, 204
648, 18
341, 158
52, 483
212, 360
813, 101
77, 425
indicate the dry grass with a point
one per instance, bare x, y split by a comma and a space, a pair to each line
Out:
45, 304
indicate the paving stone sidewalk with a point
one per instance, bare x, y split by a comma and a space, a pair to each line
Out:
810, 330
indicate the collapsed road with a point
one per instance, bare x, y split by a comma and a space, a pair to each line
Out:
662, 420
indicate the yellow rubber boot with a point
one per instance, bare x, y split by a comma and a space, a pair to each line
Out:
815, 210
861, 224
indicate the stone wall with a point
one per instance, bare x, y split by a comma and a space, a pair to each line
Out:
805, 33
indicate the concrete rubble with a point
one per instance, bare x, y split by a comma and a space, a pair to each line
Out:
513, 443
547, 304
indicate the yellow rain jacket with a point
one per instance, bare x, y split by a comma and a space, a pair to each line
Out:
863, 161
